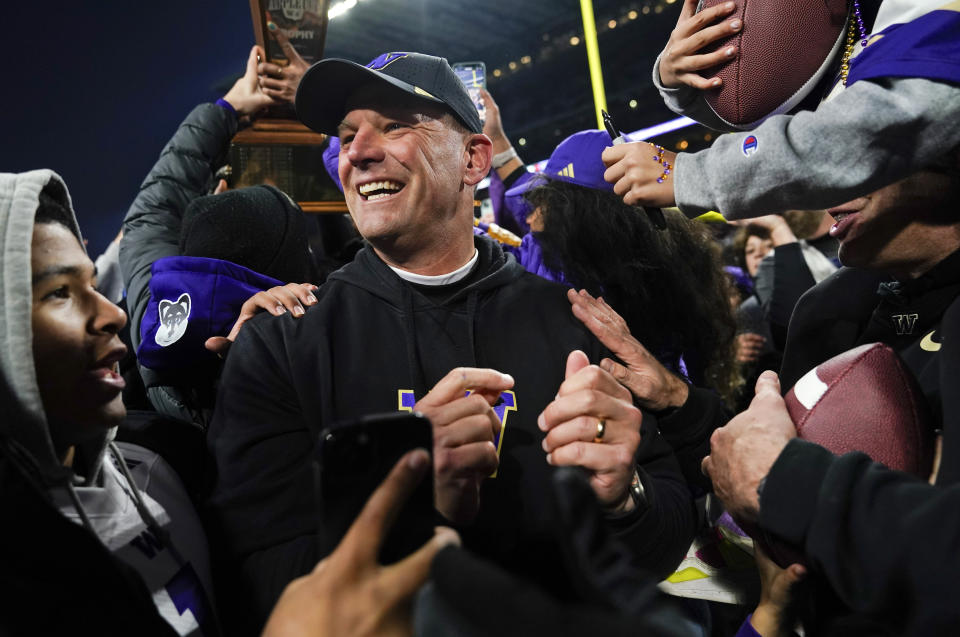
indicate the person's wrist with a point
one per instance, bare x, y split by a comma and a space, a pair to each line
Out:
632, 499
781, 234
670, 81
501, 159
239, 104
677, 394
623, 506
748, 506
497, 137
225, 104
500, 144
765, 620
244, 104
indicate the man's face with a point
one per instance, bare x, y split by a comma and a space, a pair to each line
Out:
754, 251
402, 166
75, 342
895, 229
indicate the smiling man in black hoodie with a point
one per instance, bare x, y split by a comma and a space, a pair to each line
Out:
423, 315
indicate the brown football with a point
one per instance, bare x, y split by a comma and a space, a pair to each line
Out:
862, 400
866, 400
785, 48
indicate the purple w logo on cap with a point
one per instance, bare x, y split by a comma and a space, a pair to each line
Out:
385, 59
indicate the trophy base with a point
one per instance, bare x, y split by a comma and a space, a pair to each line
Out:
286, 154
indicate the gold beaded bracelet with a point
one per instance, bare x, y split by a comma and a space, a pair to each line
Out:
659, 159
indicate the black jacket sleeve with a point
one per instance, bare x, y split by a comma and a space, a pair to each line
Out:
151, 231
688, 430
151, 228
659, 533
886, 541
261, 511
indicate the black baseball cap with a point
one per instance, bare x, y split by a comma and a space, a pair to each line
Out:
327, 85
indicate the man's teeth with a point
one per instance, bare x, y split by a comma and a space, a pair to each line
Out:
379, 189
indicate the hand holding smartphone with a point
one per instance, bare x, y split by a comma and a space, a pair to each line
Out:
314, 604
474, 77
352, 460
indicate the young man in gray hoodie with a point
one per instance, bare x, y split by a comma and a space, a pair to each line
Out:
104, 536
62, 405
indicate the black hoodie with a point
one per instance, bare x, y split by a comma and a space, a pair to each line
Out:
884, 541
372, 340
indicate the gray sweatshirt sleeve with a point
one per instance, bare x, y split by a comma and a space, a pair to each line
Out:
688, 101
870, 135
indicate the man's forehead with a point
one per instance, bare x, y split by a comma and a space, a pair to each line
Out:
56, 250
391, 102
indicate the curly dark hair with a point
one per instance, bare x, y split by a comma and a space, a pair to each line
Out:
669, 286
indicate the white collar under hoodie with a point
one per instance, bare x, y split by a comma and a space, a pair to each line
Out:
100, 492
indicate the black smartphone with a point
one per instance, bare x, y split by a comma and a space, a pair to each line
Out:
474, 77
353, 459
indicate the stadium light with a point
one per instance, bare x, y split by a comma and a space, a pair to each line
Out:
340, 8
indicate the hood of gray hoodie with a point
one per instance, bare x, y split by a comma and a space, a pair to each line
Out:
23, 426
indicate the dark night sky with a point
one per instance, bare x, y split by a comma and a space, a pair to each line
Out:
93, 90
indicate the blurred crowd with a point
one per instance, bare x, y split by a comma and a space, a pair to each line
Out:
609, 375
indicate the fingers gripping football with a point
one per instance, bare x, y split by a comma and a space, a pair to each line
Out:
681, 61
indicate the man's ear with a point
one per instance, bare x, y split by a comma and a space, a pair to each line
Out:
479, 154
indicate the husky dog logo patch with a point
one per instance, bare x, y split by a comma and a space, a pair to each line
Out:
173, 320
749, 145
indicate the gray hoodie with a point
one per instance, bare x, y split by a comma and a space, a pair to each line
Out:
106, 490
867, 136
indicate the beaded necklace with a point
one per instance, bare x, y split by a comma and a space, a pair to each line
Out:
854, 25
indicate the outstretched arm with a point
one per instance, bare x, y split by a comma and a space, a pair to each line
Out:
509, 212
184, 171
292, 297
893, 126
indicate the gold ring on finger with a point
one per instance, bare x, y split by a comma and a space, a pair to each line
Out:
601, 430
